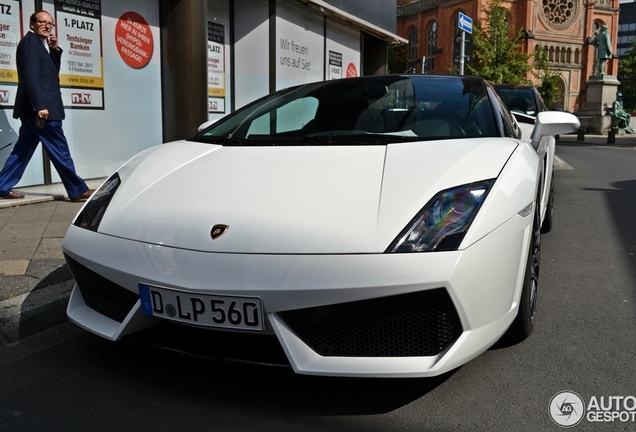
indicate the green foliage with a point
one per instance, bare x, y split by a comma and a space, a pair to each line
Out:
548, 78
398, 58
627, 77
496, 55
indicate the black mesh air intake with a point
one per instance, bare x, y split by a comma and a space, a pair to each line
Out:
100, 294
418, 324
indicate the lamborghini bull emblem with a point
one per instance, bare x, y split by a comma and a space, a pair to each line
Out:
218, 231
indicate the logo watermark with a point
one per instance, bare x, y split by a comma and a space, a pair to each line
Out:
568, 409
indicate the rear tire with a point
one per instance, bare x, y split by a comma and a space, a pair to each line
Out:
523, 325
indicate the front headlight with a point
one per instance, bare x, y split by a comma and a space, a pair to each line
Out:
92, 213
442, 224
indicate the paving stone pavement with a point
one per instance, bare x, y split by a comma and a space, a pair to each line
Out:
35, 282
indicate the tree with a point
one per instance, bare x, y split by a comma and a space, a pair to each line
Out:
496, 55
548, 79
627, 77
397, 58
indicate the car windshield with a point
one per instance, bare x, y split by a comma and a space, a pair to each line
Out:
370, 110
518, 99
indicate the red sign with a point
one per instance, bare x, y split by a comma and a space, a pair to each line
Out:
134, 39
352, 71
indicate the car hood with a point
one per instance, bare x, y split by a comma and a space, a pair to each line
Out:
290, 200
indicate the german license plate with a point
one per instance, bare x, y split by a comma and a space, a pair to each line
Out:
244, 313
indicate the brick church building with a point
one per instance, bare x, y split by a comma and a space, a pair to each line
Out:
564, 26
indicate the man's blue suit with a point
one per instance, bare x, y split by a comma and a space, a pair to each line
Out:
38, 89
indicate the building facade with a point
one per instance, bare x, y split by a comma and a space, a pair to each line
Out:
136, 73
626, 28
566, 28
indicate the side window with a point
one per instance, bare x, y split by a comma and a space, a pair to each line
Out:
289, 117
511, 127
296, 114
509, 124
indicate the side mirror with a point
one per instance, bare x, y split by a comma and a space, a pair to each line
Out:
206, 125
553, 123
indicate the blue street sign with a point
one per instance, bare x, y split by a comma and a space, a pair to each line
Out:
465, 23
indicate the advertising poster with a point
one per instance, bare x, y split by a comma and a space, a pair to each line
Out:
134, 40
335, 65
79, 32
10, 34
216, 68
343, 45
299, 47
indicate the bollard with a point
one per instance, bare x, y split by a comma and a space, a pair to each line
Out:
611, 136
581, 134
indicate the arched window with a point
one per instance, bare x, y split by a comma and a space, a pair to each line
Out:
557, 54
508, 21
431, 47
412, 48
577, 56
551, 56
569, 56
560, 103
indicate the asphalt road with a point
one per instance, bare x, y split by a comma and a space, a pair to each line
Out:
68, 380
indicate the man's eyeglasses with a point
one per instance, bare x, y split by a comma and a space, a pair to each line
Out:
45, 23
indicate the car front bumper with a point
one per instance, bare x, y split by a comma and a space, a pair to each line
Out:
483, 284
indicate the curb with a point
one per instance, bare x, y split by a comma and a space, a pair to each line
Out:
29, 199
33, 312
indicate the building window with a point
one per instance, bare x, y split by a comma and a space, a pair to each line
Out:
559, 12
412, 49
431, 47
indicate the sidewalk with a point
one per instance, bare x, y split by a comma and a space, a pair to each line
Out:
622, 140
34, 281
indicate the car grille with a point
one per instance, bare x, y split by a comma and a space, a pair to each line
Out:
213, 344
418, 324
100, 294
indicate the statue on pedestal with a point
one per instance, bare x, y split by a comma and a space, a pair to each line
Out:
620, 118
603, 44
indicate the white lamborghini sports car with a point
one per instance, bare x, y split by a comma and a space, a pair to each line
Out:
384, 226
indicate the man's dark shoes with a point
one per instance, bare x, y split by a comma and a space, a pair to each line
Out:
12, 195
83, 197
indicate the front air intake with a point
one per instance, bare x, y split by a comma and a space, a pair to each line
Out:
424, 323
100, 294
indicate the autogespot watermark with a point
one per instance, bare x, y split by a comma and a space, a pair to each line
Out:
568, 409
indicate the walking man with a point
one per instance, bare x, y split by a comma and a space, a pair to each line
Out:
39, 107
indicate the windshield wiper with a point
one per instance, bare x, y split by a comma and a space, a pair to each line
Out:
307, 140
360, 139
225, 141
